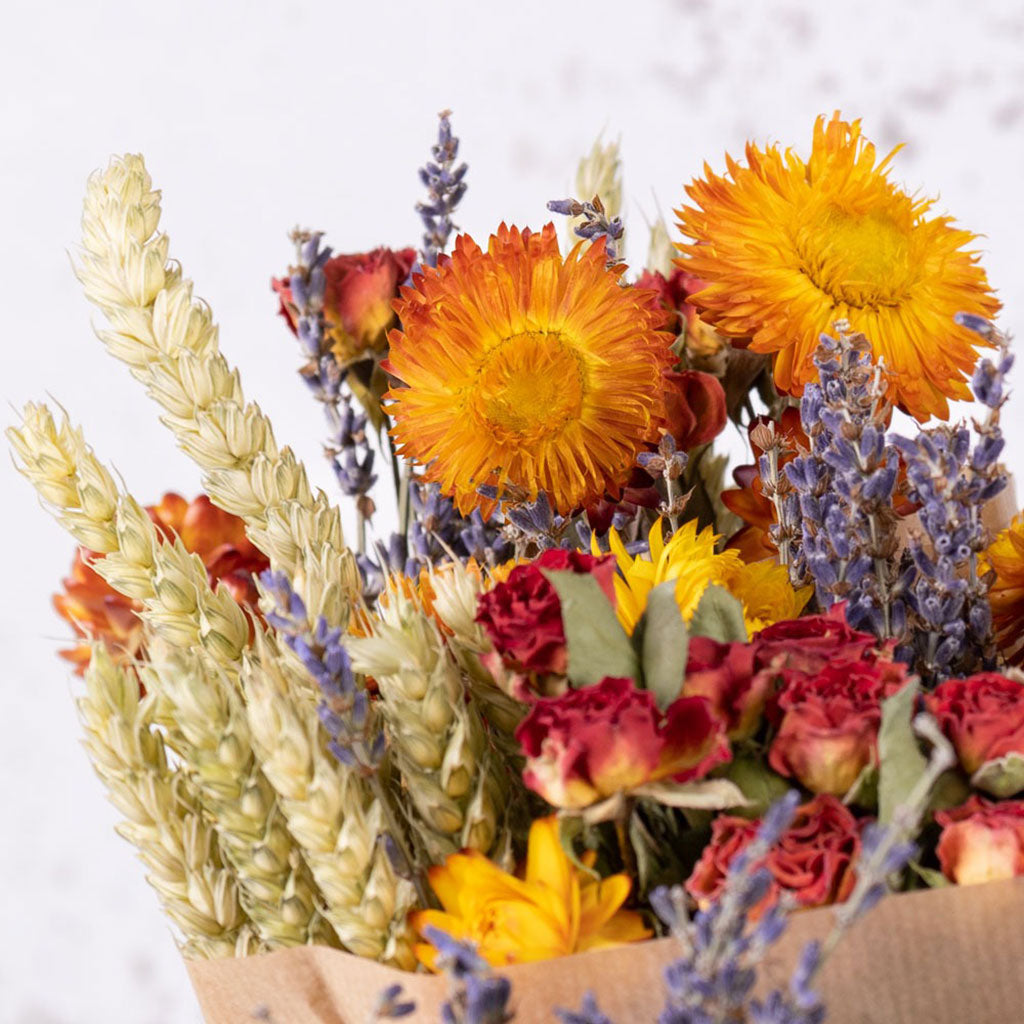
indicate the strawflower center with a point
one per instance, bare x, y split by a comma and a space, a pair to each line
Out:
860, 259
529, 387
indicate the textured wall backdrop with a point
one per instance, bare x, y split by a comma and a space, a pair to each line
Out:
257, 116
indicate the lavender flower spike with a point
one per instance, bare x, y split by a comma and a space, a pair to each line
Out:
478, 996
357, 736
445, 188
595, 224
347, 446
951, 479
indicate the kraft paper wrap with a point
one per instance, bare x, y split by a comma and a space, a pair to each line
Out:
941, 956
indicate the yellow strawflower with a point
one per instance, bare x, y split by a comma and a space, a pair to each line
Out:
555, 910
690, 559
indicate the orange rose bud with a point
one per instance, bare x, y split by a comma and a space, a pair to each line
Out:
590, 744
358, 295
982, 841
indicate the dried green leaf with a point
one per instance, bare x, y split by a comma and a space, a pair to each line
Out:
706, 794
901, 762
663, 641
719, 616
597, 644
1003, 777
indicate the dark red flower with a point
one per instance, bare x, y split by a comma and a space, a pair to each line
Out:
729, 677
523, 615
983, 716
694, 408
809, 643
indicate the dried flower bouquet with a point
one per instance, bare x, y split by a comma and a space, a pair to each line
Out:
586, 693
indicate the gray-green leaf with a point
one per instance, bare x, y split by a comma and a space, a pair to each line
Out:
597, 644
901, 762
706, 794
719, 616
663, 643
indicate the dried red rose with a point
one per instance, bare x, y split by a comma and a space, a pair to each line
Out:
728, 675
694, 408
815, 859
983, 716
829, 729
592, 743
523, 615
810, 643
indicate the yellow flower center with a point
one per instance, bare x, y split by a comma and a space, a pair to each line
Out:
861, 259
529, 387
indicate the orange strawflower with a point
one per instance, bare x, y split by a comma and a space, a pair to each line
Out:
789, 246
523, 368
555, 910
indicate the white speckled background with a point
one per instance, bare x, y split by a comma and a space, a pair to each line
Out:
255, 116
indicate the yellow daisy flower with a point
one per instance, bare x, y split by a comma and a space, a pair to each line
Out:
690, 559
554, 911
789, 246
519, 367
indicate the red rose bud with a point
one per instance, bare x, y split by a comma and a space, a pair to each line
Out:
983, 716
982, 841
672, 293
811, 643
726, 674
829, 728
695, 410
592, 743
523, 615
358, 295
814, 859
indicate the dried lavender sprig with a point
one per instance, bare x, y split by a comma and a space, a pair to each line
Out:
595, 224
588, 1013
477, 995
714, 978
846, 484
392, 1005
787, 530
530, 525
357, 735
347, 448
445, 188
437, 534
952, 480
886, 849
668, 463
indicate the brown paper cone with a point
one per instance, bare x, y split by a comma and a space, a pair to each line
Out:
941, 956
